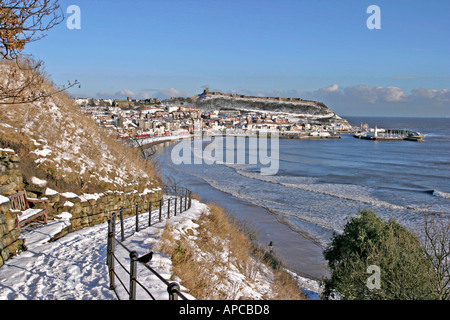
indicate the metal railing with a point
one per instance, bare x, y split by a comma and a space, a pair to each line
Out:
157, 211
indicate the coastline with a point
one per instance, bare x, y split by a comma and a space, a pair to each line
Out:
300, 254
162, 141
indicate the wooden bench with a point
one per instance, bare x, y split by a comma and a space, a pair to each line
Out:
20, 204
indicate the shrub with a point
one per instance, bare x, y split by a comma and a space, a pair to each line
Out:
404, 270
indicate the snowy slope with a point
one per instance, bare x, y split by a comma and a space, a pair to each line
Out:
74, 267
67, 145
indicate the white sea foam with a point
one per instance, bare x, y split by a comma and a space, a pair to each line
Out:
343, 191
441, 194
318, 206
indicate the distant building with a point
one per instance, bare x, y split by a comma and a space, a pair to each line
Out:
81, 101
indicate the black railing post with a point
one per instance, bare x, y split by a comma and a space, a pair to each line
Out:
133, 274
175, 208
122, 231
190, 199
137, 218
150, 213
172, 288
111, 245
168, 208
108, 243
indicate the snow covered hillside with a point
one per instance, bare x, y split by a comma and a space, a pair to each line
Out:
66, 145
74, 267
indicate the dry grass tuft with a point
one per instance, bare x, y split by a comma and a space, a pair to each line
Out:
204, 258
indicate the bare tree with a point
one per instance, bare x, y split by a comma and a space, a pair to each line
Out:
23, 81
25, 21
173, 187
22, 22
437, 246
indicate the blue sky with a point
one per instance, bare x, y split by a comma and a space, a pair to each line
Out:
312, 49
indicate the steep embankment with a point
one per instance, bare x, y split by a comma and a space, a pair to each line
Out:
296, 109
58, 143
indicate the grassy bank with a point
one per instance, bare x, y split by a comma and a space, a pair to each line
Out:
60, 144
217, 260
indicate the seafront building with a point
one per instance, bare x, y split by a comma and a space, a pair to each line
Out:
154, 119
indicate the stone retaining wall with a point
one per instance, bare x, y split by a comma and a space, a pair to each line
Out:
10, 181
10, 241
85, 210
90, 209
10, 176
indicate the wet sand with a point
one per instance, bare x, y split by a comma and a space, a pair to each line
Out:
299, 253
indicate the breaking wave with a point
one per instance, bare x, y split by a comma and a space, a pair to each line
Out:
440, 194
356, 193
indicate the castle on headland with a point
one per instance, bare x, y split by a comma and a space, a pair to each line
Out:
206, 92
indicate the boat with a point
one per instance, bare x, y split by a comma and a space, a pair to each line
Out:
321, 135
414, 136
324, 134
389, 135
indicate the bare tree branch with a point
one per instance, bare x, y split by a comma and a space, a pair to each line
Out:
25, 21
23, 81
22, 22
437, 246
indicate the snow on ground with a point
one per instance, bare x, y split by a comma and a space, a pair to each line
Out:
74, 267
254, 281
69, 195
38, 182
3, 199
63, 147
7, 150
46, 271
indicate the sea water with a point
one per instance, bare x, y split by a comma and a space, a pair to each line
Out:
321, 182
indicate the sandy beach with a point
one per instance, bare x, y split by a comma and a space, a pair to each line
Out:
299, 253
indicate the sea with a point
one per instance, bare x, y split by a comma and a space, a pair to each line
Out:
320, 183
